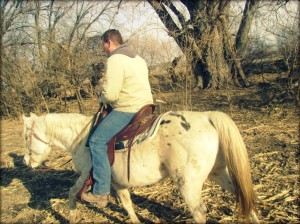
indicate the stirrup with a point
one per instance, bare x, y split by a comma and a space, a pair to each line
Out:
87, 185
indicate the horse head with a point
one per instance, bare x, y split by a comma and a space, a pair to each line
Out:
37, 142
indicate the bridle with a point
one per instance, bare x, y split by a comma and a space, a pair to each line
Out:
34, 134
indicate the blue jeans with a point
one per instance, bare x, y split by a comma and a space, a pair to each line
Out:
108, 128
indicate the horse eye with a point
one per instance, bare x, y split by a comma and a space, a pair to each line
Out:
26, 137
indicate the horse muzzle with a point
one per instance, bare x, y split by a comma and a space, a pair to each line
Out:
28, 162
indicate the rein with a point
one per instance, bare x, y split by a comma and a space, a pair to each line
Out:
80, 134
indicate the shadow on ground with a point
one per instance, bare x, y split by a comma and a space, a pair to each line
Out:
44, 184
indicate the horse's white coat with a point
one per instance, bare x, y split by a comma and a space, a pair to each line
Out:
187, 147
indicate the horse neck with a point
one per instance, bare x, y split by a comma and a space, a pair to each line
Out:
66, 131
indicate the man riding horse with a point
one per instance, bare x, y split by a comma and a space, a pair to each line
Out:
127, 89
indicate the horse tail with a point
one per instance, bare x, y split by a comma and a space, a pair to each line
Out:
236, 157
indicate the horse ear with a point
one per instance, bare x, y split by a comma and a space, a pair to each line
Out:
24, 118
27, 121
32, 115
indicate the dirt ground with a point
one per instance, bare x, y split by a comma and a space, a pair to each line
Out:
271, 134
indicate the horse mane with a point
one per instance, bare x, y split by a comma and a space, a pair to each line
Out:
67, 125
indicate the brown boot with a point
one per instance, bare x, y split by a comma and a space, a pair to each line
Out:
101, 200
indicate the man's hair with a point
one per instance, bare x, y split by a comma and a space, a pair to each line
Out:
112, 35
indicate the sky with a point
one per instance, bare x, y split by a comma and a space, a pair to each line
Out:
138, 18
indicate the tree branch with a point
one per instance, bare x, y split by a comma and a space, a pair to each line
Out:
164, 16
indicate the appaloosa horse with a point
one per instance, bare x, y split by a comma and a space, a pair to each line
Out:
188, 146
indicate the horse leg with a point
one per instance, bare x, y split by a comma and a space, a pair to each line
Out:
190, 186
82, 161
193, 197
73, 216
125, 198
222, 177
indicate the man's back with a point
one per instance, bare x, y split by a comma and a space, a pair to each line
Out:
126, 84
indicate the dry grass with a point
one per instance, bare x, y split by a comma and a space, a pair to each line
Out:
270, 133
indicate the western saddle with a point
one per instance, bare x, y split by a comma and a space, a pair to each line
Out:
140, 123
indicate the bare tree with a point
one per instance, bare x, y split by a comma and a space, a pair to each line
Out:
287, 36
14, 69
51, 44
77, 58
204, 38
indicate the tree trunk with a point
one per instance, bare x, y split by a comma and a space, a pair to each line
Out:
242, 36
212, 66
38, 32
80, 101
204, 40
232, 52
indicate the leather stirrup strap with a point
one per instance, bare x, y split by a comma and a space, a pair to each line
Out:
130, 142
129, 151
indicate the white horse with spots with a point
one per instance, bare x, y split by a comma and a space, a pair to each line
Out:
188, 146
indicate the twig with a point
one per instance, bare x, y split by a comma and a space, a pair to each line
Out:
257, 127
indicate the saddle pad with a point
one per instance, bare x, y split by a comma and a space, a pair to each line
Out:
147, 135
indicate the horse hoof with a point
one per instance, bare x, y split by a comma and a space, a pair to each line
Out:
73, 217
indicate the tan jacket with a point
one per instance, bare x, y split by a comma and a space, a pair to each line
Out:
126, 84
